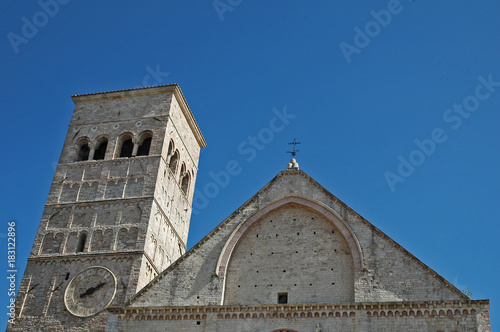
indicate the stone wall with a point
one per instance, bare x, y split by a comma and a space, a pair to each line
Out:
105, 203
450, 316
40, 300
292, 252
386, 271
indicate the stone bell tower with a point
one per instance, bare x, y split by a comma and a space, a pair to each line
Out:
118, 210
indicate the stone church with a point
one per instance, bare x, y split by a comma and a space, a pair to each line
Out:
110, 251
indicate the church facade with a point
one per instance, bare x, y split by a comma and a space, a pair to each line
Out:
110, 252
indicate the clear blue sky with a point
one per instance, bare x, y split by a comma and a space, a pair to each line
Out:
360, 101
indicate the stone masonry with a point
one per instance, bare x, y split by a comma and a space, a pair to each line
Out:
110, 252
121, 199
294, 238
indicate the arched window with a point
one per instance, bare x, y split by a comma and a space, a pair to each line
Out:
185, 183
170, 149
127, 147
83, 151
100, 152
174, 160
183, 170
81, 242
144, 144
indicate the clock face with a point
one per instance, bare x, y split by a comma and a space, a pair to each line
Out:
90, 291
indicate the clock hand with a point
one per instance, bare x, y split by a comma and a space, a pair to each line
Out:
91, 290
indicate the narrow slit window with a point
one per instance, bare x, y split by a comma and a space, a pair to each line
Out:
81, 242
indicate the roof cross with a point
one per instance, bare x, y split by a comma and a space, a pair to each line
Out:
294, 151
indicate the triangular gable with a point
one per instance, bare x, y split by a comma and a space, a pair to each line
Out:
387, 272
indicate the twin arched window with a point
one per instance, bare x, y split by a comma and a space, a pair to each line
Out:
87, 151
174, 160
127, 147
185, 177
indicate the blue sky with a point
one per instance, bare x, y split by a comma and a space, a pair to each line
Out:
400, 120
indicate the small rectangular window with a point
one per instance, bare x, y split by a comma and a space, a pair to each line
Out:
282, 298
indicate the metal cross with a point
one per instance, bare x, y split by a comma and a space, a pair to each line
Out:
294, 151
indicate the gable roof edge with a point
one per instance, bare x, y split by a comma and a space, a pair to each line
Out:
254, 197
393, 242
200, 243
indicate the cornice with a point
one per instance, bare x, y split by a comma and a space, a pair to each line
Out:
374, 309
111, 94
82, 256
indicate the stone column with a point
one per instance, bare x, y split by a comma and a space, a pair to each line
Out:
136, 146
92, 150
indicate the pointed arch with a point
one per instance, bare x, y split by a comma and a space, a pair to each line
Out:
174, 160
315, 206
171, 148
183, 171
185, 180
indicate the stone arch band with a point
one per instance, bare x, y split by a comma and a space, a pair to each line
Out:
317, 207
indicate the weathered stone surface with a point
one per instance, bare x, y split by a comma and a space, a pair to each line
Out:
379, 317
292, 258
384, 272
111, 212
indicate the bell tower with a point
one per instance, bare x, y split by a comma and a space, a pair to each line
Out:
118, 210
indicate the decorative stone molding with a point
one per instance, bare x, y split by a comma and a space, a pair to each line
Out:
317, 207
449, 309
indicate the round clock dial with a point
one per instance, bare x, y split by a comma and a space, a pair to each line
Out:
90, 291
